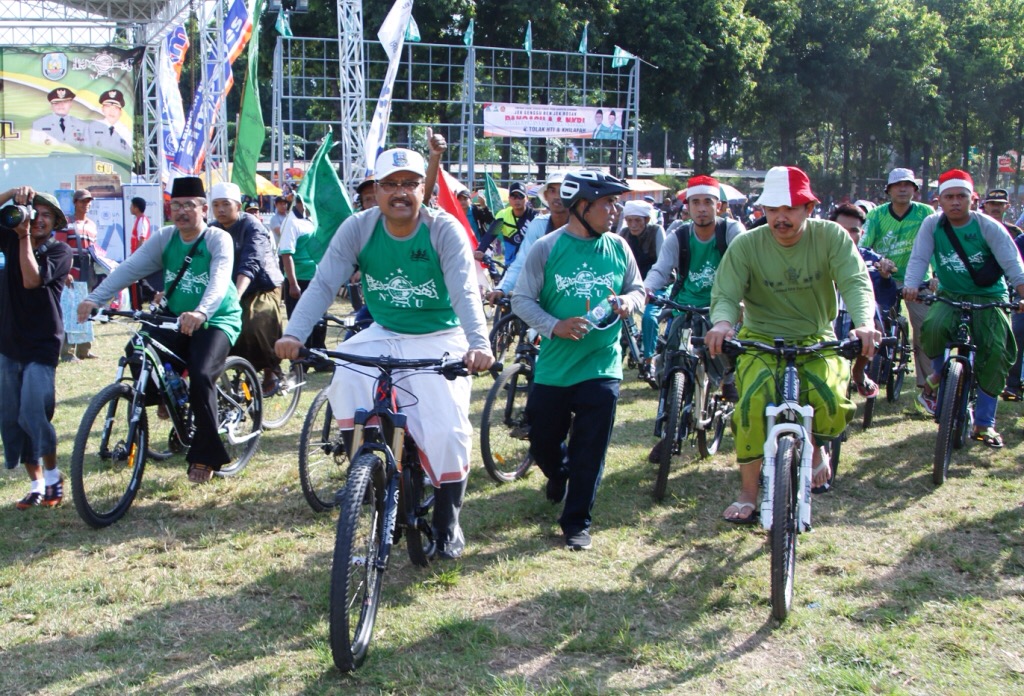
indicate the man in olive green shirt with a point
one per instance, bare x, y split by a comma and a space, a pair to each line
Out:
784, 273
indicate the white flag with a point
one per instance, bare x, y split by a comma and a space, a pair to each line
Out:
392, 31
392, 36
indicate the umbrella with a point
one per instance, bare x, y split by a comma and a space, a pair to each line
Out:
732, 194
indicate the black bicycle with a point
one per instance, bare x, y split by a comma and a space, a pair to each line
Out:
112, 443
386, 495
958, 387
504, 430
688, 404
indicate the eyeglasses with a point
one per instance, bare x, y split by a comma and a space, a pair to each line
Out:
392, 186
187, 205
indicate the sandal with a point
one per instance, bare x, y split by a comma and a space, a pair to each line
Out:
825, 464
868, 389
749, 518
200, 473
989, 437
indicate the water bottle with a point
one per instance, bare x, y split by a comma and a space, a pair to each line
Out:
176, 385
603, 314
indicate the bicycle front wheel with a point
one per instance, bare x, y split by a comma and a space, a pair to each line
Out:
239, 412
323, 456
279, 406
109, 456
503, 336
951, 395
674, 408
356, 575
784, 525
504, 446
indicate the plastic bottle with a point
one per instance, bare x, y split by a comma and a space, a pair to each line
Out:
602, 315
176, 385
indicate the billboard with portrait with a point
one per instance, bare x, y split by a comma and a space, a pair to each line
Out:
70, 100
553, 121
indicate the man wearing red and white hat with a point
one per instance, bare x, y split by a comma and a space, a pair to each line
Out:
784, 274
993, 260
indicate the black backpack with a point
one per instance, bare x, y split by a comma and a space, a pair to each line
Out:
683, 233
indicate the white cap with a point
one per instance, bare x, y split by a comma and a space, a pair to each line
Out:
899, 175
226, 189
553, 178
398, 160
637, 209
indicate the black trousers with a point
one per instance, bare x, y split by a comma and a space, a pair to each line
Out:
204, 353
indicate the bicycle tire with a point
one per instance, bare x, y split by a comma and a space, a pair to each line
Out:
323, 456
873, 371
784, 525
705, 445
835, 449
239, 412
280, 406
674, 411
416, 500
503, 336
900, 360
503, 428
106, 467
356, 577
964, 414
949, 392
630, 347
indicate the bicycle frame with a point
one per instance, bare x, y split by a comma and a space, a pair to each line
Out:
685, 360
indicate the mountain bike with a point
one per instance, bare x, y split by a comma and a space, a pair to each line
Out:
788, 453
688, 404
112, 443
630, 340
386, 495
504, 430
506, 329
958, 386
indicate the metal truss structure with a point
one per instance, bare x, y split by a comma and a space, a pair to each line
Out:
445, 87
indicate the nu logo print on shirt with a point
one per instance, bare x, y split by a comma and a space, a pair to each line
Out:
399, 291
191, 284
583, 282
705, 278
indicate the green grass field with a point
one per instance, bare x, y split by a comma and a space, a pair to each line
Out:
902, 587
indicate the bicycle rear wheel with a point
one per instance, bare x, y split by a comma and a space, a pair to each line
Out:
416, 501
873, 371
239, 412
900, 361
674, 409
503, 336
356, 576
109, 456
323, 456
279, 406
784, 525
504, 446
950, 394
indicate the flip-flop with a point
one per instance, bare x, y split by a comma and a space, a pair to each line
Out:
750, 518
868, 389
989, 437
827, 486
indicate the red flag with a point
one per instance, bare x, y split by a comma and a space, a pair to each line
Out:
450, 204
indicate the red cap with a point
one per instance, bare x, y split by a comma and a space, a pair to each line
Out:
786, 186
956, 178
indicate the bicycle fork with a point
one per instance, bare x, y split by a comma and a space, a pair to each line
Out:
803, 489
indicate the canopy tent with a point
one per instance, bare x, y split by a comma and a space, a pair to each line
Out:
644, 187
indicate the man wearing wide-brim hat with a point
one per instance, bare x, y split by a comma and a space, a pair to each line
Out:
196, 261
786, 273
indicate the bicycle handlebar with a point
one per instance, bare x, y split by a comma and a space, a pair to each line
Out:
447, 366
929, 298
160, 321
849, 348
672, 304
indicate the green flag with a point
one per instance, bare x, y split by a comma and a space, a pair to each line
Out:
583, 40
325, 198
283, 25
621, 58
250, 133
467, 38
412, 32
491, 194
528, 43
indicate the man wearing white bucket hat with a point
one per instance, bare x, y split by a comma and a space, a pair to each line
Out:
784, 273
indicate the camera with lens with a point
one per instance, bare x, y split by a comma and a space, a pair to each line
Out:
13, 215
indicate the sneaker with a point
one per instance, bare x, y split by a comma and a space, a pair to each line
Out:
31, 500
580, 541
555, 489
730, 393
54, 494
927, 403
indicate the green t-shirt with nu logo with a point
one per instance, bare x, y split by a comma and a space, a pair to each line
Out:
190, 289
403, 283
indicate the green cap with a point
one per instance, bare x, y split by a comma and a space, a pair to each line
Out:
60, 221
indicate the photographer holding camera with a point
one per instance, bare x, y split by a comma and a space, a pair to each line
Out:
31, 331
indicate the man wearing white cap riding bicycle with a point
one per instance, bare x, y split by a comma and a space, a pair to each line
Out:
785, 273
420, 285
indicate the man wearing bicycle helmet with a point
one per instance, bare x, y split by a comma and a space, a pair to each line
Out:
575, 281
786, 273
420, 285
950, 240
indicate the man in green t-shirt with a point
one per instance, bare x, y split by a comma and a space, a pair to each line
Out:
982, 239
785, 273
205, 301
890, 231
576, 279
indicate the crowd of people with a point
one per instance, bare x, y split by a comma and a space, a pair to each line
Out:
231, 280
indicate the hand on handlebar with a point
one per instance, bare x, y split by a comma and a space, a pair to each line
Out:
478, 360
713, 339
85, 310
288, 348
870, 339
